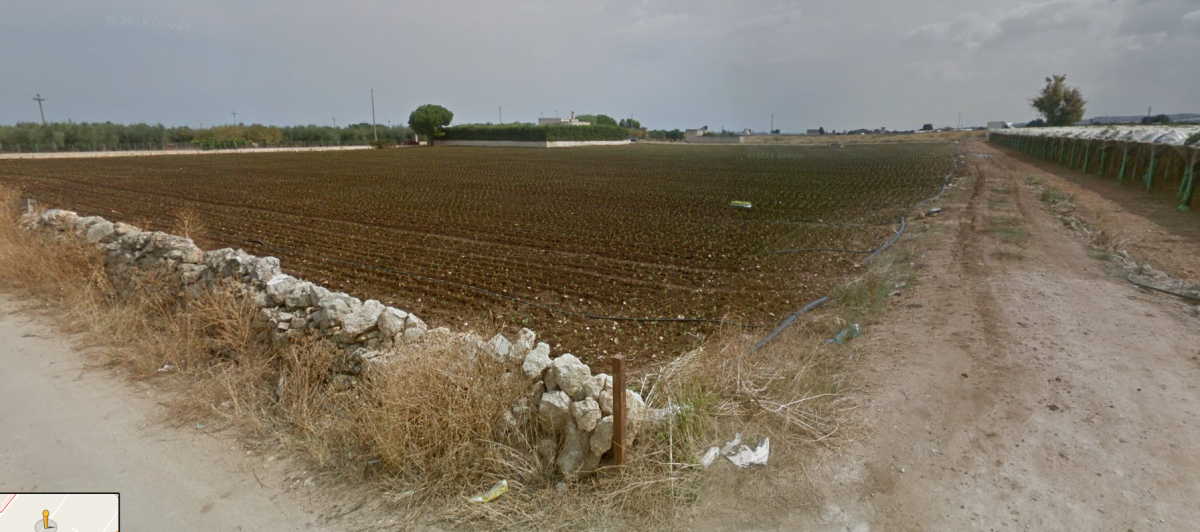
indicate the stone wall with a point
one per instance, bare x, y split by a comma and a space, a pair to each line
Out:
564, 396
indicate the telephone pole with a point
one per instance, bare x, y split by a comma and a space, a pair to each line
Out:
373, 126
39, 100
335, 122
234, 113
500, 110
772, 130
959, 120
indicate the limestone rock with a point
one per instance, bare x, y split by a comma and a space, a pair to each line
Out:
316, 293
590, 389
637, 415
524, 344
262, 269
59, 219
413, 335
338, 305
300, 297
602, 437
363, 319
498, 348
191, 273
121, 229
570, 373
536, 361
574, 451
554, 409
279, 287
590, 462
586, 414
414, 321
391, 322
83, 224
100, 231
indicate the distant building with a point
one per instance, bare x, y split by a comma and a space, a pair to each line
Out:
812, 132
747, 131
556, 121
995, 124
694, 133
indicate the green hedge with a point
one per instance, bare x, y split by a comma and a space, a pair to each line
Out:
529, 132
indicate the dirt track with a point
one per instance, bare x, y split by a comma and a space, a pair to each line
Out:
68, 428
1020, 386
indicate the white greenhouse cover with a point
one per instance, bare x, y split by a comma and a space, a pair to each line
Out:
1173, 135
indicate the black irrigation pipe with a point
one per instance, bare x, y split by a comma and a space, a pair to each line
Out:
506, 296
1156, 289
888, 244
803, 250
787, 322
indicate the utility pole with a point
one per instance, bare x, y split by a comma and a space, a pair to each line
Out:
959, 120
234, 113
201, 122
335, 122
373, 126
39, 100
772, 130
500, 110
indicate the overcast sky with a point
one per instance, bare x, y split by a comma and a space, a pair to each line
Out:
671, 63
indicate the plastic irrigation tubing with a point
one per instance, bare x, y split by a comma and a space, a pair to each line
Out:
506, 296
801, 250
1156, 289
888, 244
786, 323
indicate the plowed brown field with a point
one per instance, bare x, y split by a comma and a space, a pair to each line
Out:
459, 235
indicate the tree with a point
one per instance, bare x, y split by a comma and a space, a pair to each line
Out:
1156, 119
821, 130
1060, 104
629, 123
604, 120
1039, 122
927, 127
597, 120
429, 119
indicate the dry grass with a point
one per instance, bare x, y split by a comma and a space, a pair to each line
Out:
188, 224
424, 429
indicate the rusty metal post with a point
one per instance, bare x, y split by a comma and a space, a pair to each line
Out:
618, 444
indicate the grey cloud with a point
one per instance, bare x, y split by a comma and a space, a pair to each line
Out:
671, 63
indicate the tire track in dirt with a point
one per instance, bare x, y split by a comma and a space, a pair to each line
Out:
1019, 387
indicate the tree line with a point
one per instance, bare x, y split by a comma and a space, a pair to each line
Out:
101, 136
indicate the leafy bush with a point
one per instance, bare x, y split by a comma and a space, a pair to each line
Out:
382, 143
1193, 139
532, 133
